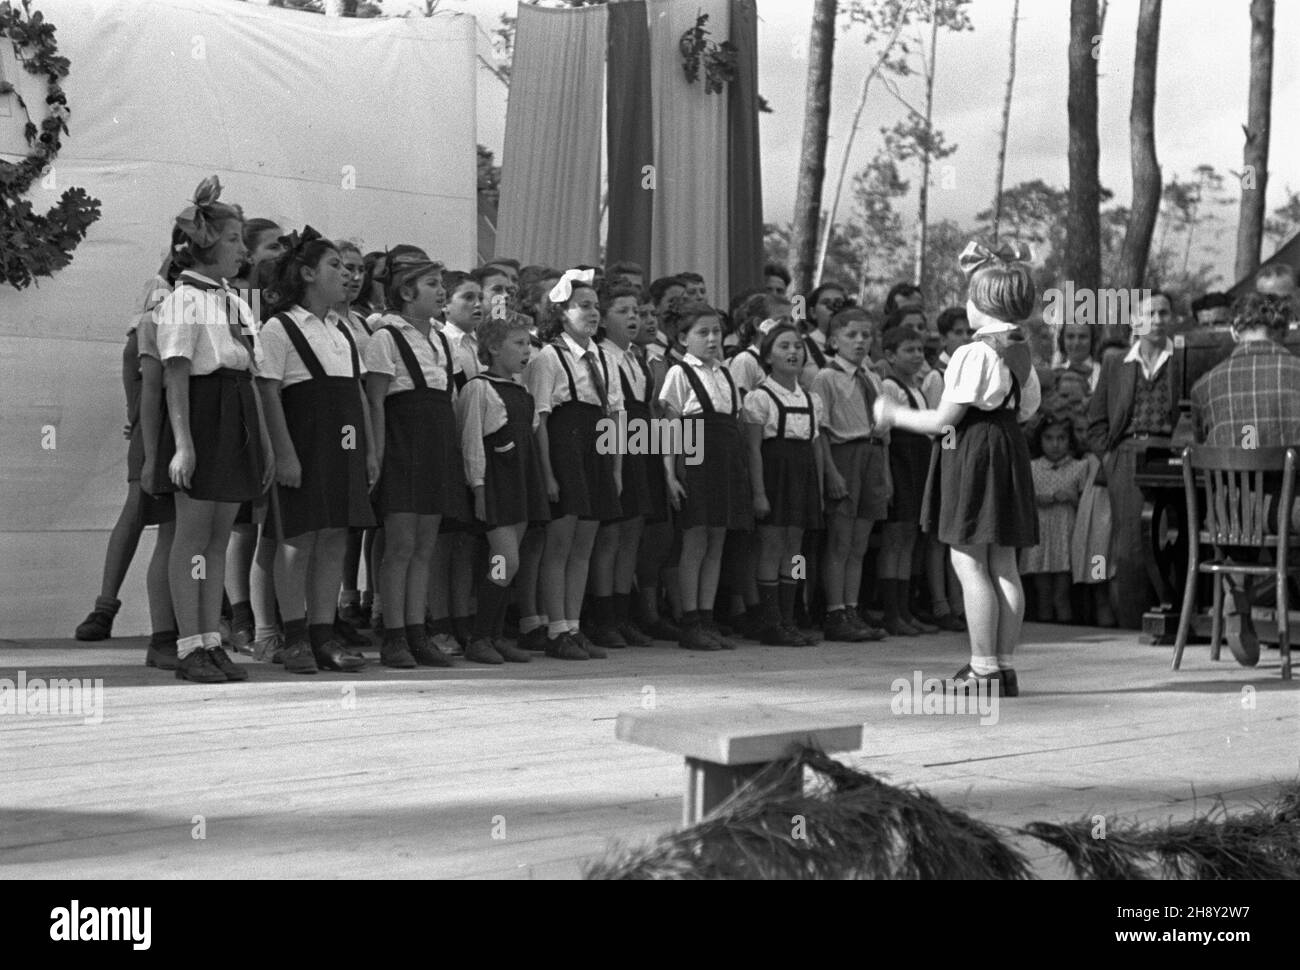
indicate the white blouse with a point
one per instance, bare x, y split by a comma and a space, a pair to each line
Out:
978, 376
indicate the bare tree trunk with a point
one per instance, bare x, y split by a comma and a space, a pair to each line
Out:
1006, 124
333, 8
812, 156
829, 227
1083, 221
1250, 227
1142, 144
923, 200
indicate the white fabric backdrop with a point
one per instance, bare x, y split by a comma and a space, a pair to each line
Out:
690, 134
550, 167
279, 104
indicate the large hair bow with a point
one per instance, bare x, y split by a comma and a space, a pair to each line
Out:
562, 290
196, 220
976, 255
294, 243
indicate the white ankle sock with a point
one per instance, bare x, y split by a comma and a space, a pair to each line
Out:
984, 665
187, 645
211, 641
557, 628
528, 624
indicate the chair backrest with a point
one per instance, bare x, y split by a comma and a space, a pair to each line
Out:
1248, 493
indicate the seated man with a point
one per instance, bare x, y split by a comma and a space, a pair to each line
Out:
1252, 399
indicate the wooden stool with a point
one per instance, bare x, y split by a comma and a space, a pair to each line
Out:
725, 747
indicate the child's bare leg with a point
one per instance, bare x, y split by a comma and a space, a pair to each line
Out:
970, 562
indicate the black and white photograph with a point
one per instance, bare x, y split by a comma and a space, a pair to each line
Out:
650, 440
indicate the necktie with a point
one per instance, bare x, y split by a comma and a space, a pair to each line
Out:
868, 392
597, 382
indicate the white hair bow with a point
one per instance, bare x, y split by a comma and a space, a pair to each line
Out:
562, 290
766, 326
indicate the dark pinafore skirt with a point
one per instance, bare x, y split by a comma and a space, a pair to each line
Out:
588, 488
423, 471
326, 424
644, 491
790, 471
514, 482
717, 487
228, 459
981, 491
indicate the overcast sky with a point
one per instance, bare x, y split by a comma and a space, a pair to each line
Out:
1203, 81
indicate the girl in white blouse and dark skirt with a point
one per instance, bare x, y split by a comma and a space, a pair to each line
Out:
980, 464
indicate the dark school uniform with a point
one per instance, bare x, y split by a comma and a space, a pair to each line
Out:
644, 490
325, 418
790, 427
422, 469
909, 459
207, 323
586, 477
497, 419
717, 488
981, 489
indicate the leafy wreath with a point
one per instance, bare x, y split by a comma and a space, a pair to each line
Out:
718, 60
33, 245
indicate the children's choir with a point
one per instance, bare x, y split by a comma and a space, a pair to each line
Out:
304, 409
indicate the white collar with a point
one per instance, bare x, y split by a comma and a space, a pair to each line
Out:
576, 348
454, 331
696, 362
1135, 354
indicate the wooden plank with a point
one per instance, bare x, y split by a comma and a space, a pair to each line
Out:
736, 735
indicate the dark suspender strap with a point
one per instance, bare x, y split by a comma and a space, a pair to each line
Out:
706, 402
352, 345
819, 358
911, 401
780, 409
446, 355
735, 394
627, 386
362, 320
568, 371
300, 344
461, 380
408, 358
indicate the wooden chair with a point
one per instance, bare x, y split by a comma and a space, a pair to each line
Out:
1245, 507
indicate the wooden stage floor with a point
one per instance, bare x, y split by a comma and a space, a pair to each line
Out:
514, 772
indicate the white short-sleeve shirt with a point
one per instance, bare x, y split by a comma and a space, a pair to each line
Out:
382, 356
194, 323
759, 408
678, 394
745, 369
548, 383
282, 362
977, 375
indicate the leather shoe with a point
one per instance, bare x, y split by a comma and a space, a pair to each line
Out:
425, 653
697, 638
394, 653
299, 658
509, 652
197, 666
163, 657
534, 640
565, 647
1240, 630
221, 660
594, 650
332, 655
483, 651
